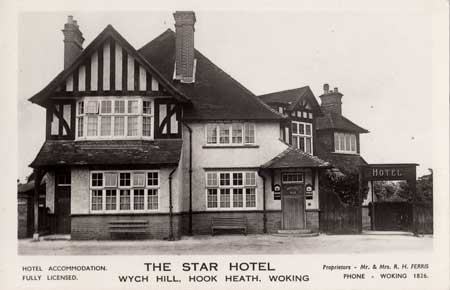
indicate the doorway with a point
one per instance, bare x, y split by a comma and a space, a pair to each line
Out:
62, 203
293, 201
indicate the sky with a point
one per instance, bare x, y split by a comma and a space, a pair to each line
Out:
380, 60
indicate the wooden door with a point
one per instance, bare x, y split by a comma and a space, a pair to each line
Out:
293, 206
62, 209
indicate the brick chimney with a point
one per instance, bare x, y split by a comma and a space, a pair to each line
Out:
331, 100
184, 46
73, 41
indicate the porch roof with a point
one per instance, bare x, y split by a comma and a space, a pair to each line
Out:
295, 158
110, 152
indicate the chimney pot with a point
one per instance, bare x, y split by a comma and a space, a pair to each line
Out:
331, 101
336, 90
326, 88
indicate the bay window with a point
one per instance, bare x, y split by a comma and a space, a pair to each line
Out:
233, 134
114, 118
302, 137
231, 190
127, 191
345, 143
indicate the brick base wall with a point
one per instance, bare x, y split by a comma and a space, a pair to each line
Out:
90, 227
22, 217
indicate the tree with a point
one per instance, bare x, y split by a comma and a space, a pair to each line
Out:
344, 183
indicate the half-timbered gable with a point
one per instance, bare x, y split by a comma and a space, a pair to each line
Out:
111, 92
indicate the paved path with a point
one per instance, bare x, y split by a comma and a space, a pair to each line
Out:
234, 244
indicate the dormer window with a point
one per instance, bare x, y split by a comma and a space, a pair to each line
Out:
345, 143
114, 118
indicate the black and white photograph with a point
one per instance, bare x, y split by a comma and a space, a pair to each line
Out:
196, 133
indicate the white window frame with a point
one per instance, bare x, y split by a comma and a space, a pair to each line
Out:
216, 127
232, 187
304, 135
131, 188
83, 116
301, 181
342, 135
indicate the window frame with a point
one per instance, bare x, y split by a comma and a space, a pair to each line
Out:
82, 116
130, 188
305, 136
232, 187
352, 136
216, 127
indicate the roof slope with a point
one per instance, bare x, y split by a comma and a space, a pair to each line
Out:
336, 121
295, 158
116, 152
109, 31
215, 94
292, 98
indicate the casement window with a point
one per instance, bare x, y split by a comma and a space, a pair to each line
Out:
231, 134
124, 191
302, 137
345, 143
115, 118
231, 190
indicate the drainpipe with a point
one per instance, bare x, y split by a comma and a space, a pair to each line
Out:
171, 238
264, 203
190, 177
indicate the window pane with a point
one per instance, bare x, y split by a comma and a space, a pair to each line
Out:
132, 126
237, 179
92, 107
96, 202
310, 115
211, 134
124, 199
110, 179
138, 199
125, 179
133, 107
92, 125
308, 145
139, 179
250, 179
353, 143
224, 133
211, 179
146, 126
80, 126
294, 128
119, 126
342, 142
336, 142
250, 197
249, 132
347, 142
238, 197
105, 126
212, 198
302, 144
106, 107
81, 108
308, 129
152, 179
236, 133
111, 199
119, 106
224, 197
224, 179
295, 141
97, 179
147, 107
152, 199
301, 129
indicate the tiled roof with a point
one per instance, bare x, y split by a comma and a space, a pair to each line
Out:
335, 121
292, 157
291, 98
215, 95
115, 152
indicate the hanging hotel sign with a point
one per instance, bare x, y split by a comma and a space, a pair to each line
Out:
389, 171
